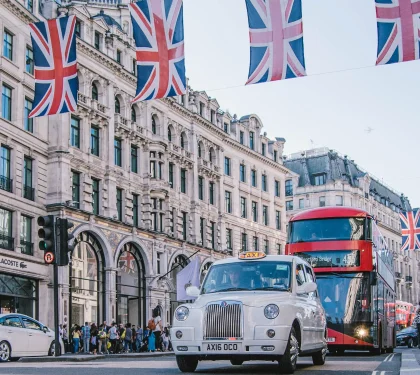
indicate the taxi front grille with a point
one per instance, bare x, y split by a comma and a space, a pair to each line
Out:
223, 320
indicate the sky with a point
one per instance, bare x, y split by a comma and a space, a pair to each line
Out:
343, 95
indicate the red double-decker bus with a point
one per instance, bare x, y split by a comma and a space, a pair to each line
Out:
355, 275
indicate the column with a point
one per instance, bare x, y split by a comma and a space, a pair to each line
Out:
110, 312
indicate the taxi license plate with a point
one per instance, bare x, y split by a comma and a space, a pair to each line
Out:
330, 339
221, 347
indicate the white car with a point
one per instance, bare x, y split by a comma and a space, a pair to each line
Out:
22, 336
254, 307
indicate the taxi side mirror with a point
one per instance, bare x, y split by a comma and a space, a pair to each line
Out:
192, 291
307, 288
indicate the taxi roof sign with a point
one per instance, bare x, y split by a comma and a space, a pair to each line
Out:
252, 255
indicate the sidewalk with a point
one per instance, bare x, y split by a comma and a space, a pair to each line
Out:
91, 357
410, 362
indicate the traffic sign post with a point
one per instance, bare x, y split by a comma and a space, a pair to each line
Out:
49, 257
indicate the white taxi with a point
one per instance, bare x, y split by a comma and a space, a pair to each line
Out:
254, 307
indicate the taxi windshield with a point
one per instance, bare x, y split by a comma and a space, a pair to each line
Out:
248, 275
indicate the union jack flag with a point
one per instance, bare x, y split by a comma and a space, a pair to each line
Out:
398, 23
410, 229
276, 37
56, 83
127, 262
158, 27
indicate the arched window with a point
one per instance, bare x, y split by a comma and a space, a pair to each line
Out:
154, 127
95, 95
182, 141
211, 151
199, 150
117, 105
133, 114
169, 134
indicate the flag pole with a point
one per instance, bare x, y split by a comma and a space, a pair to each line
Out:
160, 278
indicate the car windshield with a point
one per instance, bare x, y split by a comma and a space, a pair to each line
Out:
407, 330
248, 275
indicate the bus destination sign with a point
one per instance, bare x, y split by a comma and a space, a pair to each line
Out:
331, 259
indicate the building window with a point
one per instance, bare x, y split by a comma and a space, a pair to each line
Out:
242, 173
153, 173
29, 62
200, 188
211, 192
117, 105
158, 263
171, 175
78, 29
254, 178
184, 226
6, 239
134, 159
117, 152
28, 123
97, 42
289, 205
228, 202
75, 132
134, 66
119, 204
26, 235
213, 234
211, 155
251, 140
301, 203
8, 45
94, 140
226, 127
278, 220
319, 179
277, 188
255, 211
202, 226
5, 181
244, 242
241, 137
182, 140
265, 215
135, 210
278, 249
243, 207
227, 166
266, 246
95, 196
183, 181
289, 188
338, 200
201, 109
6, 103
154, 127
264, 182
263, 149
275, 157
28, 190
170, 135
255, 243
229, 239
212, 116
95, 93
118, 56
76, 189
29, 5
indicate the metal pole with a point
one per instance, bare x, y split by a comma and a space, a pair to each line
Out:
57, 351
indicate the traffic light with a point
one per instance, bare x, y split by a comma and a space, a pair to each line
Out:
64, 248
47, 235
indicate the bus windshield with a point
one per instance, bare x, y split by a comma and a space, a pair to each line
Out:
345, 297
337, 229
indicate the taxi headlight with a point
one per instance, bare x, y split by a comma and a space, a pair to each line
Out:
182, 313
271, 311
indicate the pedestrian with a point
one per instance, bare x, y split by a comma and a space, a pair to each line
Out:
165, 339
416, 323
139, 338
106, 329
93, 338
128, 338
102, 340
113, 337
65, 339
76, 339
86, 337
121, 334
133, 337
158, 328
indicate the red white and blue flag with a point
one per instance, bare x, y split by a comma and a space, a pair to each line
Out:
158, 27
276, 37
56, 83
410, 229
127, 262
398, 23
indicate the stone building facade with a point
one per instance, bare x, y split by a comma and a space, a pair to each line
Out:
146, 185
323, 177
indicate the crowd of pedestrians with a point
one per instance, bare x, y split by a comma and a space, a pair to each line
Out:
116, 338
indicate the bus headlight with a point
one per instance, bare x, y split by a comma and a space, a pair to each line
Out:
182, 313
271, 311
362, 332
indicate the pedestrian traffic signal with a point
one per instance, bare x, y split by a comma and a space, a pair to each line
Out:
65, 249
47, 235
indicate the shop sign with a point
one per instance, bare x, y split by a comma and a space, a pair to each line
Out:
19, 265
12, 263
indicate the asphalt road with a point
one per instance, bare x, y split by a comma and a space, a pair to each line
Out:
349, 364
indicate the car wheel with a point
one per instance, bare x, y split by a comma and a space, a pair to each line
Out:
236, 362
186, 363
410, 343
318, 358
288, 362
4, 351
51, 351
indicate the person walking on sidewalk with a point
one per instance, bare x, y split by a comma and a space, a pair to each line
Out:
113, 337
76, 339
94, 338
86, 337
139, 338
158, 329
65, 339
416, 323
128, 338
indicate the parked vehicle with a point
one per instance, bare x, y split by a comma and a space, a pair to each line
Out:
23, 336
407, 337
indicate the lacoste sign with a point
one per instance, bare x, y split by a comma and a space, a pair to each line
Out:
7, 262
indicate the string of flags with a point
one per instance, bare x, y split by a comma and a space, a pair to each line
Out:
276, 48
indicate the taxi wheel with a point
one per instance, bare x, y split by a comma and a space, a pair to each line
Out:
318, 358
4, 351
186, 363
236, 362
288, 362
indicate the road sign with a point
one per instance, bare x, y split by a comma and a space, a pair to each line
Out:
49, 257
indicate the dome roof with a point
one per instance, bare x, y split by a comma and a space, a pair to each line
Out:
108, 19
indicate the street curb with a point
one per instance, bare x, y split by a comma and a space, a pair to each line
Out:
85, 358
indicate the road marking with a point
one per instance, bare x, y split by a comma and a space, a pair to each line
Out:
389, 358
378, 372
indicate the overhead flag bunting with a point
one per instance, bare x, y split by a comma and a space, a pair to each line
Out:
158, 28
398, 23
276, 38
56, 83
410, 229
